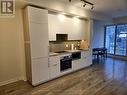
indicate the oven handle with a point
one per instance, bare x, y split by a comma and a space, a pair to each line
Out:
70, 59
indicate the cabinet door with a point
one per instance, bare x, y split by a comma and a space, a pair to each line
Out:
40, 71
39, 40
83, 63
75, 64
54, 71
78, 30
83, 54
87, 57
54, 66
37, 15
51, 27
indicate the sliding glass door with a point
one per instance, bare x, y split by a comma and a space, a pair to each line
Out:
110, 38
121, 40
116, 39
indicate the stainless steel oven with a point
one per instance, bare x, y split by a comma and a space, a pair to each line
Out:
65, 63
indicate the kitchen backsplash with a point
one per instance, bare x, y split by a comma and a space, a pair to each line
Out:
60, 46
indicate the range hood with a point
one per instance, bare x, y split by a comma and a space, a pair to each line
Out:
61, 37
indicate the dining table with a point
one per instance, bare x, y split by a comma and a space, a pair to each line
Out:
100, 52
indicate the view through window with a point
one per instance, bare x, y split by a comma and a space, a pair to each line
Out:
116, 39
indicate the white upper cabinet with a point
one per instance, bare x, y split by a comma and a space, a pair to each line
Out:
39, 40
78, 29
60, 24
38, 15
38, 31
51, 27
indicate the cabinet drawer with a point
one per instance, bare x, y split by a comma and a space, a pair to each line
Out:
54, 60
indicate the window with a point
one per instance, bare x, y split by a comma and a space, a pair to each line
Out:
116, 39
110, 38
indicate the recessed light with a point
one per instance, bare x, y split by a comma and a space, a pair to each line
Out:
77, 16
63, 13
61, 17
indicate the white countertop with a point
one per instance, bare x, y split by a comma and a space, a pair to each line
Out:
68, 51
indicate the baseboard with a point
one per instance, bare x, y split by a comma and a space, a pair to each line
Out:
12, 80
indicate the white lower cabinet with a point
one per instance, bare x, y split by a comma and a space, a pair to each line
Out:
54, 66
83, 62
44, 69
78, 64
75, 64
40, 71
87, 57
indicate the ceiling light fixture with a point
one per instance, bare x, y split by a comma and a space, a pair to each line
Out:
85, 3
76, 16
92, 7
69, 0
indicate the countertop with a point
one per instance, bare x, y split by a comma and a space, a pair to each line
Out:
68, 52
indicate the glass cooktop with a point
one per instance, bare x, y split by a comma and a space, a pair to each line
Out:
60, 51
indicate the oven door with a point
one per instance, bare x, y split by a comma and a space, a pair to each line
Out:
65, 64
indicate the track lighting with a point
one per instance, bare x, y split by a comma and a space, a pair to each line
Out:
85, 3
92, 7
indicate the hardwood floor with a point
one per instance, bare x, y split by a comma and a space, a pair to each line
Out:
107, 77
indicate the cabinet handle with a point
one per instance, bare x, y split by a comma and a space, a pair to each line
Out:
48, 50
55, 65
48, 62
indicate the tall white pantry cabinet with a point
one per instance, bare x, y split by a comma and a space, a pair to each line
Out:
36, 44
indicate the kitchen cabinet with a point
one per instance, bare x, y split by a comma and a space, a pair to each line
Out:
54, 64
37, 15
76, 64
40, 71
78, 30
51, 27
83, 62
39, 39
57, 24
86, 58
36, 45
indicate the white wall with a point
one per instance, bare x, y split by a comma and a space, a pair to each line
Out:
12, 60
120, 20
98, 33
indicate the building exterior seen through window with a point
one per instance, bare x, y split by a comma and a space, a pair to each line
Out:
116, 39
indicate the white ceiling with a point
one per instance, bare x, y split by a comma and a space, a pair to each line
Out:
112, 8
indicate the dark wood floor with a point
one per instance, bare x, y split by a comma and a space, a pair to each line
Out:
107, 77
